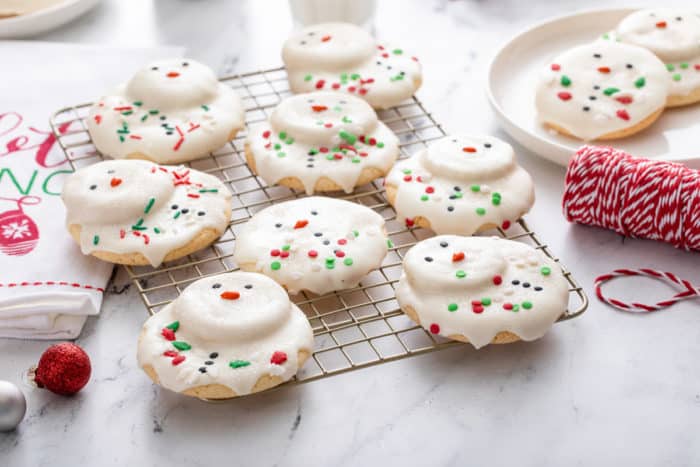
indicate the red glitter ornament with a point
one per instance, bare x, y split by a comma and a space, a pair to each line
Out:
63, 369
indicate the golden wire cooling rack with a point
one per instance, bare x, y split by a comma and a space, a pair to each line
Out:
354, 328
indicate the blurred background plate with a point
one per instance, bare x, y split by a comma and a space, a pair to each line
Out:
31, 24
513, 75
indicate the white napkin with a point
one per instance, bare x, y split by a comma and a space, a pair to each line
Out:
47, 287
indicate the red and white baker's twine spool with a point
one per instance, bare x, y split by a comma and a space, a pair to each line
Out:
689, 291
635, 197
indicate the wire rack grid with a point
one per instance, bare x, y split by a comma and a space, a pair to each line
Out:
354, 328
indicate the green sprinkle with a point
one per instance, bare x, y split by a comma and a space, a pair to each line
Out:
347, 137
283, 135
397, 51
345, 119
476, 188
308, 78
452, 307
143, 119
356, 233
174, 326
286, 247
461, 274
344, 76
356, 160
289, 140
330, 263
606, 36
156, 230
495, 200
238, 364
527, 305
347, 261
149, 205
354, 76
209, 190
128, 112
281, 154
457, 194
546, 270
275, 265
138, 103
313, 152
480, 211
389, 243
205, 107
565, 81
516, 307
670, 67
380, 145
138, 225
121, 138
424, 198
277, 146
330, 157
177, 214
610, 91
95, 239
676, 77
683, 65
640, 82
338, 108
407, 171
153, 112
180, 345
486, 301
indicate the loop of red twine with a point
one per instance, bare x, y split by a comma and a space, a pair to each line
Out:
688, 290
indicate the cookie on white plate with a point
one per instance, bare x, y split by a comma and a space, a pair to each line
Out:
345, 58
138, 212
317, 244
321, 141
225, 336
170, 111
460, 185
481, 289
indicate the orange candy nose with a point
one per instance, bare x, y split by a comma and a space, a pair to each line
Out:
301, 224
469, 149
173, 74
228, 295
661, 24
459, 256
115, 182
319, 108
604, 69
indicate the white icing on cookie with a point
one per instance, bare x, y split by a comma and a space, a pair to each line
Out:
461, 183
317, 244
170, 111
673, 34
229, 329
132, 206
603, 87
480, 286
321, 134
344, 57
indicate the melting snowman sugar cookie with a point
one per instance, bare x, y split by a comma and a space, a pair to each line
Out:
344, 57
227, 335
481, 289
170, 111
321, 141
460, 185
137, 212
674, 36
317, 244
603, 90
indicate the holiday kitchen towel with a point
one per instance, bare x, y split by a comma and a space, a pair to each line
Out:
47, 287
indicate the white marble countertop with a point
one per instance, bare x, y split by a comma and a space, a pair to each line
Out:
605, 389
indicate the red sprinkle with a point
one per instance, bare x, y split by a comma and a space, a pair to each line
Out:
301, 224
278, 358
98, 118
469, 149
337, 156
335, 85
507, 306
320, 83
170, 353
555, 67
459, 256
697, 66
284, 254
434, 328
372, 141
604, 69
407, 178
169, 334
342, 241
505, 225
179, 359
429, 189
351, 88
275, 252
409, 222
313, 253
328, 125
122, 233
624, 99
622, 113
192, 195
362, 91
497, 280
339, 253
324, 150
115, 182
477, 307
565, 96
385, 55
229, 295
266, 134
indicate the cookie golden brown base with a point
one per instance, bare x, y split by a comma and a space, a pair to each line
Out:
503, 337
681, 100
219, 391
624, 133
323, 184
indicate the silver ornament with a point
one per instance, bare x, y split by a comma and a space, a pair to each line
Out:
13, 406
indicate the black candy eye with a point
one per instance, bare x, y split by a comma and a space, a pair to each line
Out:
92, 187
216, 286
428, 259
629, 66
163, 117
302, 43
597, 55
586, 109
679, 18
185, 211
443, 244
487, 145
174, 206
278, 225
201, 213
248, 286
185, 64
154, 68
110, 171
314, 213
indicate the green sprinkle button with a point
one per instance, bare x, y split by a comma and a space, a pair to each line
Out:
677, 77
180, 345
640, 82
684, 66
330, 263
424, 198
354, 76
486, 301
275, 265
670, 67
283, 135
347, 261
452, 307
495, 199
480, 211
277, 146
476, 188
286, 247
380, 145
174, 326
527, 305
565, 81
461, 274
308, 78
238, 364
546, 270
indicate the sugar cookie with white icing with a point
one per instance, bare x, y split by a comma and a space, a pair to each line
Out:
481, 289
321, 141
346, 58
672, 34
460, 185
225, 336
137, 212
315, 244
170, 111
603, 90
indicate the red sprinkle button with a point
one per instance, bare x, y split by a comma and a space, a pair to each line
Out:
435, 328
497, 280
278, 358
555, 67
169, 334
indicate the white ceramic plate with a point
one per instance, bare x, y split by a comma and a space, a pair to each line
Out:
18, 27
513, 74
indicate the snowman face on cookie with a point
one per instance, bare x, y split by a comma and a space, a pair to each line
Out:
670, 33
321, 117
174, 83
336, 45
116, 190
232, 306
468, 157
